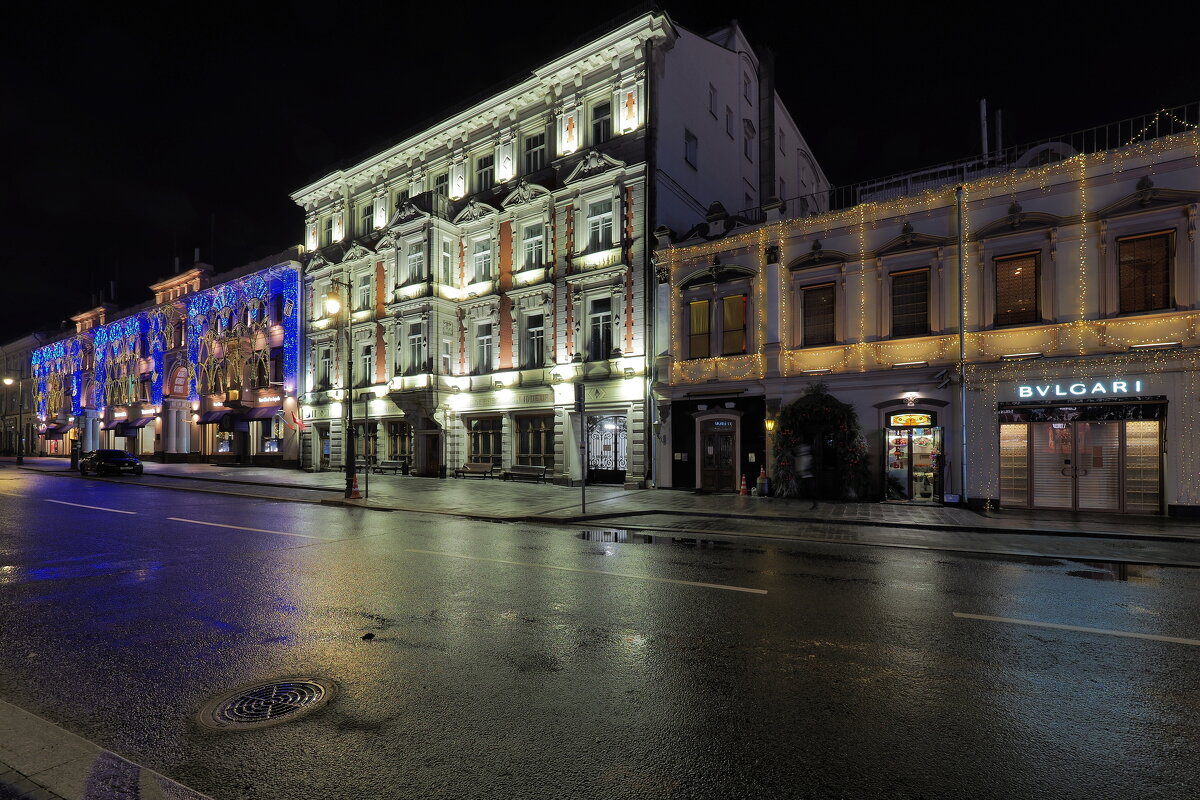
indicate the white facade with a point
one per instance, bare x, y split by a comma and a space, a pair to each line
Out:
1081, 294
499, 258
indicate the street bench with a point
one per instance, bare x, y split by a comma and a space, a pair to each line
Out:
475, 469
529, 471
397, 466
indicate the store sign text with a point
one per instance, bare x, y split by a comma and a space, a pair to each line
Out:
1079, 389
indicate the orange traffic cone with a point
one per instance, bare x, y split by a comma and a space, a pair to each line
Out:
354, 494
745, 490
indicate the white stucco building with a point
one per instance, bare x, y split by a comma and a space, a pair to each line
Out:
498, 259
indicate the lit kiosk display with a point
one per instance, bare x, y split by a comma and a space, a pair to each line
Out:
913, 458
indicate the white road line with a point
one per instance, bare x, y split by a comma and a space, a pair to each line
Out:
94, 508
255, 530
1104, 631
593, 572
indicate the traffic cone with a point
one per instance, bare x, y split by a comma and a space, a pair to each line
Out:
762, 481
354, 494
745, 490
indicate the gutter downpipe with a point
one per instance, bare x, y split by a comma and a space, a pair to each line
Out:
962, 347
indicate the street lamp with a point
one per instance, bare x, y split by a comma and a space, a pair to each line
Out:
333, 307
20, 418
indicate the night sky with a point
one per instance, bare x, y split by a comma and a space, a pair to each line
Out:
135, 135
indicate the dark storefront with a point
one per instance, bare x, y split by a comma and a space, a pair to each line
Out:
717, 440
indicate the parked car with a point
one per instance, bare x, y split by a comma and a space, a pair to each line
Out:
117, 462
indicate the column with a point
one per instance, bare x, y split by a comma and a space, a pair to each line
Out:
170, 436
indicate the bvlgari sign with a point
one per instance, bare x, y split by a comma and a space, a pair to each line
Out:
1088, 389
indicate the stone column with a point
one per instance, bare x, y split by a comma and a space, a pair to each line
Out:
170, 435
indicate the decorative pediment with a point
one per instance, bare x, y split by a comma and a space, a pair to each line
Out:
474, 210
1020, 221
525, 192
715, 274
404, 212
356, 252
1148, 197
386, 242
818, 256
909, 240
317, 261
592, 163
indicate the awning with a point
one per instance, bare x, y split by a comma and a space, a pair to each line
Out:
140, 422
263, 412
213, 417
108, 426
58, 430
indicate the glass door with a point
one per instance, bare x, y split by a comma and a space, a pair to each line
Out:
1082, 466
898, 450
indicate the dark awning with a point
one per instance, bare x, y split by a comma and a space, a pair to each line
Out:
108, 426
263, 412
140, 422
58, 430
213, 417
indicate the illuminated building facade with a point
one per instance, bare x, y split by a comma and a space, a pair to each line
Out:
1081, 295
207, 371
492, 263
16, 398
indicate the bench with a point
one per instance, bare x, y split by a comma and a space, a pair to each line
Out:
478, 469
397, 466
533, 473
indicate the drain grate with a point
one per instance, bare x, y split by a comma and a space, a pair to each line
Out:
265, 704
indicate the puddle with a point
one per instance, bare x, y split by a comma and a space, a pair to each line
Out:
615, 537
1106, 571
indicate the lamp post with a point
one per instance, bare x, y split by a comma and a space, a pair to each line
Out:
20, 418
333, 307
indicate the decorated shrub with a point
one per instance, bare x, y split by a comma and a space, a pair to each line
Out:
839, 453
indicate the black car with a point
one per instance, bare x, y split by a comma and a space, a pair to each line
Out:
117, 462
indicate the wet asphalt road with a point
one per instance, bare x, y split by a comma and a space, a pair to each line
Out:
511, 661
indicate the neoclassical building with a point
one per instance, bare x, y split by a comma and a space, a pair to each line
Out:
1080, 290
207, 371
495, 261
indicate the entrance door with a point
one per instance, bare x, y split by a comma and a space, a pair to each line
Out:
608, 450
718, 469
912, 464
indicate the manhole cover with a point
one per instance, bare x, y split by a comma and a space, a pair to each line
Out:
266, 704
616, 537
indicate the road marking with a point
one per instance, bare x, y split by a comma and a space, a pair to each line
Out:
255, 530
1104, 631
95, 508
592, 571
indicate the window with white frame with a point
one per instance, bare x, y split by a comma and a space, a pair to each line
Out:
366, 218
364, 292
533, 245
535, 152
446, 267
910, 302
733, 325
327, 231
533, 353
691, 146
481, 259
485, 172
817, 310
699, 329
600, 225
447, 357
366, 362
325, 368
599, 345
484, 348
416, 262
416, 348
441, 184
601, 122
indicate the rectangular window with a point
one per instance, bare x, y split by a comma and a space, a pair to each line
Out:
601, 122
533, 243
441, 184
712, 100
416, 262
325, 371
447, 358
690, 147
447, 263
729, 121
482, 260
600, 329
733, 325
367, 363
535, 441
327, 231
699, 330
484, 435
485, 172
364, 293
399, 440
401, 198
1016, 289
817, 310
535, 342
910, 303
600, 225
535, 152
483, 349
366, 218
416, 348
1144, 264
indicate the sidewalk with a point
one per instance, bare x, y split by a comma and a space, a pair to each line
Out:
528, 501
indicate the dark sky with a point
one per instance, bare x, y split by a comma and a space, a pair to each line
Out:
137, 132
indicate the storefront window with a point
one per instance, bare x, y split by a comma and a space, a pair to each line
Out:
224, 442
485, 435
535, 440
272, 435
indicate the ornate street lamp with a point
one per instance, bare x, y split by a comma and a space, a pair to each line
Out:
20, 417
334, 307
